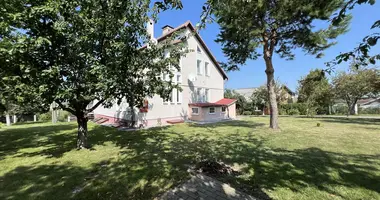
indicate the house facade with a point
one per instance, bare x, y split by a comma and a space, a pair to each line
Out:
201, 79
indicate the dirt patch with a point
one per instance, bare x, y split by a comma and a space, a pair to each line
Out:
215, 168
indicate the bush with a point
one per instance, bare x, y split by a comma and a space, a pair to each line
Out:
257, 112
369, 111
293, 112
62, 116
247, 113
1, 125
340, 109
285, 109
45, 117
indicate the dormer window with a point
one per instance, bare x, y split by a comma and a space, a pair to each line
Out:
199, 49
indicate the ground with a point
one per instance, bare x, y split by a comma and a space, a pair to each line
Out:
338, 160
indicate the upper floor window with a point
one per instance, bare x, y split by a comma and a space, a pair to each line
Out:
199, 68
199, 49
207, 69
199, 94
207, 94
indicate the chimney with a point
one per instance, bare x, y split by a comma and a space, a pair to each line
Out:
150, 28
166, 29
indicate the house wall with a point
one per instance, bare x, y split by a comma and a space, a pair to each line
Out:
204, 113
158, 109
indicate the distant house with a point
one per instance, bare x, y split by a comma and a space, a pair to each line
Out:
201, 79
289, 96
369, 103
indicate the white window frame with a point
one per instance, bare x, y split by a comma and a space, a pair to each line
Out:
193, 113
207, 68
225, 109
209, 111
200, 95
200, 67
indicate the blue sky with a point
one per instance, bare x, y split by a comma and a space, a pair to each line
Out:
288, 72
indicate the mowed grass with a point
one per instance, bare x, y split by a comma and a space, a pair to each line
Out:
339, 160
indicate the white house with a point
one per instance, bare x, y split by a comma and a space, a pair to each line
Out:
202, 81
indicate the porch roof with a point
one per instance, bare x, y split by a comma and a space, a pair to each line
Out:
222, 102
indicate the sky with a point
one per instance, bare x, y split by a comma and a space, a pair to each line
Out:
252, 74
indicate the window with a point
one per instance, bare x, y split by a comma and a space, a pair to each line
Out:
199, 94
207, 69
178, 80
207, 94
211, 110
195, 111
224, 109
199, 49
199, 68
179, 96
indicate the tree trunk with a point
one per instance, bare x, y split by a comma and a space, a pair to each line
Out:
82, 132
352, 108
132, 115
272, 94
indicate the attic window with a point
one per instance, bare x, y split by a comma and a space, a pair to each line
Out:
199, 49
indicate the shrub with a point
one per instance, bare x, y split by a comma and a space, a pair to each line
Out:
1, 125
340, 109
369, 110
293, 112
62, 116
45, 117
257, 112
300, 107
247, 112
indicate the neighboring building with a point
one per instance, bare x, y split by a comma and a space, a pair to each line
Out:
369, 103
202, 81
289, 96
246, 92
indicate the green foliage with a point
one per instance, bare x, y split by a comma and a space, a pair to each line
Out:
353, 85
44, 117
315, 91
1, 125
301, 108
247, 113
74, 52
241, 102
293, 112
371, 111
361, 53
339, 109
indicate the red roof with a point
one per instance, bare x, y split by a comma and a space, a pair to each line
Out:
222, 102
190, 25
226, 102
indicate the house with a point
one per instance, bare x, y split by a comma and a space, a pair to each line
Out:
369, 103
288, 96
201, 79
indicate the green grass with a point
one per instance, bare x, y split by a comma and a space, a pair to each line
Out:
339, 160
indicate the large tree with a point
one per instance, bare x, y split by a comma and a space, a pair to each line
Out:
355, 84
250, 29
74, 52
315, 90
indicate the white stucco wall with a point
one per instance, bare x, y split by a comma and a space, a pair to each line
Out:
159, 109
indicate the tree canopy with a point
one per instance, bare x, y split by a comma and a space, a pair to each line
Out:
316, 91
74, 52
355, 84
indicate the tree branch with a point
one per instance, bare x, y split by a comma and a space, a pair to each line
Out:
65, 108
95, 106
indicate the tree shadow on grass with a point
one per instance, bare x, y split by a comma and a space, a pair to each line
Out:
232, 123
53, 137
153, 160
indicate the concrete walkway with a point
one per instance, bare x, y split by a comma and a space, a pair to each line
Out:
202, 187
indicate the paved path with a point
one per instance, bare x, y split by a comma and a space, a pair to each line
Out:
202, 187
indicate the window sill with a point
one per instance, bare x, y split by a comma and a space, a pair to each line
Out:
194, 114
211, 113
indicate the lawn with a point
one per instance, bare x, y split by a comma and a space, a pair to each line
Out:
339, 160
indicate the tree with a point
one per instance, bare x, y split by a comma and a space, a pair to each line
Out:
274, 27
74, 52
260, 97
353, 85
315, 91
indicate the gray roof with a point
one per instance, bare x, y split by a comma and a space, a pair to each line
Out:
246, 92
